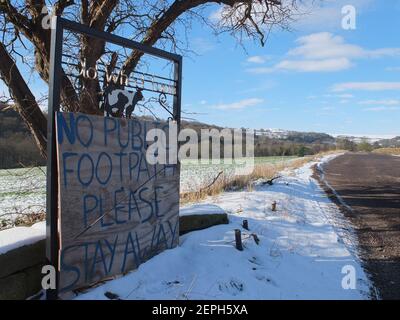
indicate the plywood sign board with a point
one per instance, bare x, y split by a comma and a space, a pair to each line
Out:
115, 209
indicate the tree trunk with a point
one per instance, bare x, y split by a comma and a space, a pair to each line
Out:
25, 102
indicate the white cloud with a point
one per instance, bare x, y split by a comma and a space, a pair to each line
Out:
326, 65
388, 102
328, 108
367, 86
327, 13
202, 45
392, 69
323, 52
341, 96
261, 70
383, 52
325, 45
257, 59
216, 15
239, 104
379, 109
345, 96
263, 86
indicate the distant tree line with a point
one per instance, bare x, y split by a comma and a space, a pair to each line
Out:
265, 147
294, 144
363, 146
17, 148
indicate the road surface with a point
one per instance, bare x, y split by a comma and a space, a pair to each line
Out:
370, 185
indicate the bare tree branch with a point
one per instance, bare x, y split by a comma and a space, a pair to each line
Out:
152, 22
25, 102
61, 5
179, 7
20, 21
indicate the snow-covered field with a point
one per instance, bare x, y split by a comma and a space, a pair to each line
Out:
23, 191
303, 252
195, 175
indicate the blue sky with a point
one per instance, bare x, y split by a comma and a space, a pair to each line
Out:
318, 77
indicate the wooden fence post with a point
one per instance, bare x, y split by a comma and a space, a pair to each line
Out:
238, 238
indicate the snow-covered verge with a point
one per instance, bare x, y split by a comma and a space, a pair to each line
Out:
301, 254
13, 238
200, 209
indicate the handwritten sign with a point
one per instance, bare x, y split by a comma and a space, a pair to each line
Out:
115, 209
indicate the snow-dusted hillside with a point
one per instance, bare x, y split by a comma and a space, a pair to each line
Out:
273, 133
380, 139
295, 136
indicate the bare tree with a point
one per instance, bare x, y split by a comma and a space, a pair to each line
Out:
151, 22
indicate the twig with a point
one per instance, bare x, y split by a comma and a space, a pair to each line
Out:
190, 287
271, 181
215, 179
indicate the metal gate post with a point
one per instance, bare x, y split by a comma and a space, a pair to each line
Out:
52, 241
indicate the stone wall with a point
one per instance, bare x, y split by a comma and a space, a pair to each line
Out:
20, 271
20, 268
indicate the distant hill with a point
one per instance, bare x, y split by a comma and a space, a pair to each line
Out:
296, 136
10, 122
375, 140
310, 137
390, 143
17, 147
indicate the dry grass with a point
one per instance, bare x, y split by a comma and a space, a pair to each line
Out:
223, 183
23, 220
29, 219
392, 151
264, 171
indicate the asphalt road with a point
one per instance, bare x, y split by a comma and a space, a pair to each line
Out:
370, 185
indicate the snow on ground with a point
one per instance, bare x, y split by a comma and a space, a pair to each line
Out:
300, 256
21, 236
200, 209
22, 191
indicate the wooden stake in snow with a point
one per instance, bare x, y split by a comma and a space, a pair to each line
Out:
238, 238
246, 224
256, 239
274, 206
